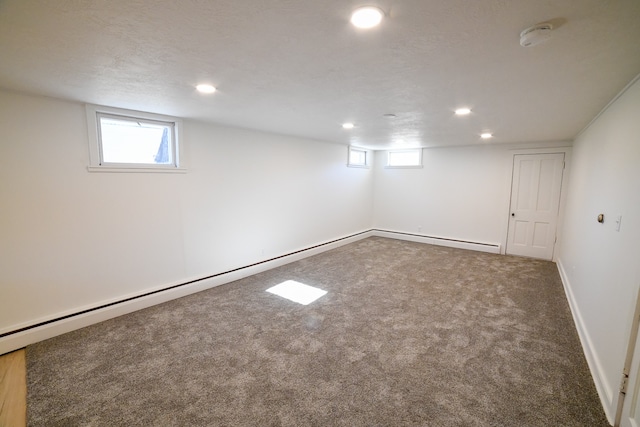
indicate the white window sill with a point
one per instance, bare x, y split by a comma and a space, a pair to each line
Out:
108, 169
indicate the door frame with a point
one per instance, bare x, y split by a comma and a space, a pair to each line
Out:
566, 149
630, 368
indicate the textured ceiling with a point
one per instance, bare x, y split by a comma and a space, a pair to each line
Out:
300, 68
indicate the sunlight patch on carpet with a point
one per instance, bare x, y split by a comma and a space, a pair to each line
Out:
297, 292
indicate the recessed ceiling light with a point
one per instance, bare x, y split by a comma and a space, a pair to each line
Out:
205, 88
486, 135
366, 17
348, 125
463, 111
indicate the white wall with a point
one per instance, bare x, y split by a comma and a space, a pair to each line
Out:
459, 193
599, 265
73, 239
252, 201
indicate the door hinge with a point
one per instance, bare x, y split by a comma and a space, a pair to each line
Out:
624, 382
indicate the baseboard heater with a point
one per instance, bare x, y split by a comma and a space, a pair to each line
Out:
493, 248
48, 328
38, 331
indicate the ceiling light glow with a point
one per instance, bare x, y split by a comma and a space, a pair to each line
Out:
366, 17
463, 111
348, 125
486, 135
205, 88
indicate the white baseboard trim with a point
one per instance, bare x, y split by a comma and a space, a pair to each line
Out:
69, 321
605, 392
493, 248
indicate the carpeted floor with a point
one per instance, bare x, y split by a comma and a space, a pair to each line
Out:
407, 335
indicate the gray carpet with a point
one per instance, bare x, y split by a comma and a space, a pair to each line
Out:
407, 335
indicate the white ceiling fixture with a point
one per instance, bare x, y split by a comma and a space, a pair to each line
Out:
348, 125
205, 88
486, 135
367, 17
535, 35
463, 111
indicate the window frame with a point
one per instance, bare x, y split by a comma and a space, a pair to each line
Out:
367, 157
96, 164
408, 150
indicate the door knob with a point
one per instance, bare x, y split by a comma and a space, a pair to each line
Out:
513, 214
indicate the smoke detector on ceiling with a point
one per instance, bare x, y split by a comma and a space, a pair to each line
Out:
535, 35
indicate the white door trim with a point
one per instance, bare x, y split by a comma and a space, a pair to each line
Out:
628, 398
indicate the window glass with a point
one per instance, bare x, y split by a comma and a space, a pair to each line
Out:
405, 158
135, 141
357, 157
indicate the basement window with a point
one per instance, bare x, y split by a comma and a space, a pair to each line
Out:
358, 158
405, 158
131, 141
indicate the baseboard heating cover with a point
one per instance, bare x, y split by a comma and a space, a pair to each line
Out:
493, 248
20, 336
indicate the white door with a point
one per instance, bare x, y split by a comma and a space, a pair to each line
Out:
535, 198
